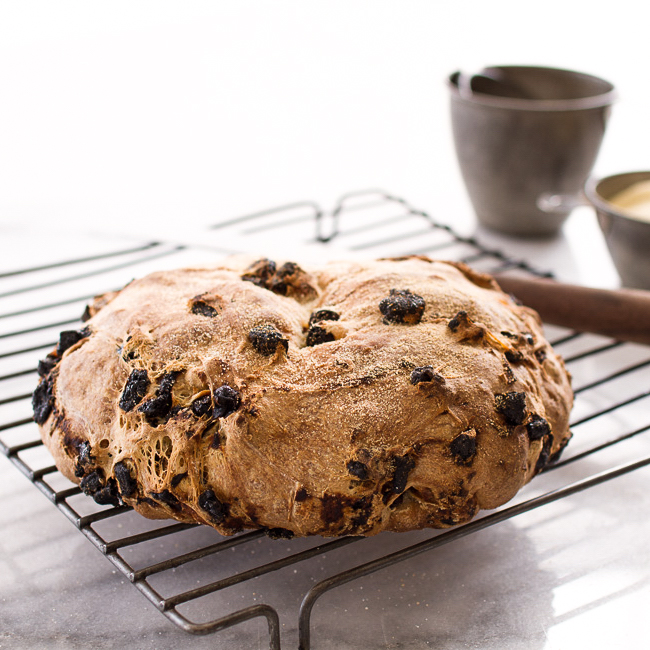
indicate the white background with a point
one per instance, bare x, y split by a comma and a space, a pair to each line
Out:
124, 115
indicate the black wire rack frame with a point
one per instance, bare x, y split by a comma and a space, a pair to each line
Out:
51, 296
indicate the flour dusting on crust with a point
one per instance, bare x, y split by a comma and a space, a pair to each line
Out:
346, 399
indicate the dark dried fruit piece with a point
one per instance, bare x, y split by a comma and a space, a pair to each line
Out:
69, 337
135, 389
260, 272
226, 401
514, 356
402, 307
45, 366
177, 479
460, 319
544, 454
466, 329
512, 406
540, 355
363, 509
278, 286
279, 533
556, 456
402, 468
358, 469
43, 400
157, 408
426, 374
287, 269
202, 405
282, 280
148, 501
288, 280
317, 335
463, 448
92, 483
108, 495
128, 485
323, 314
537, 428
202, 308
168, 499
266, 339
217, 510
84, 459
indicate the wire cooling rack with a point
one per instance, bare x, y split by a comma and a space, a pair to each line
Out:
166, 561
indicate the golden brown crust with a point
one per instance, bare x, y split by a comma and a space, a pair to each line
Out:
348, 399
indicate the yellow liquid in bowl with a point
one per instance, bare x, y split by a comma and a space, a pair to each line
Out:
634, 201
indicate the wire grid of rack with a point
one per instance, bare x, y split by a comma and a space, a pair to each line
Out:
611, 387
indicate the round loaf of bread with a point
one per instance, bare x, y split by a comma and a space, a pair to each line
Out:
342, 400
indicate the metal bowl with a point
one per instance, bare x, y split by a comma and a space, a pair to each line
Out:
628, 238
523, 132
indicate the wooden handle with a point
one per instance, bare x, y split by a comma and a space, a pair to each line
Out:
623, 314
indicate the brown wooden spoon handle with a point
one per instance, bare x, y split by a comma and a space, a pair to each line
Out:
623, 314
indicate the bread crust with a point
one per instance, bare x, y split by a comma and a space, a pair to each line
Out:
351, 398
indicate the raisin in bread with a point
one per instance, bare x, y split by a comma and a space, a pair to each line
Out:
348, 399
